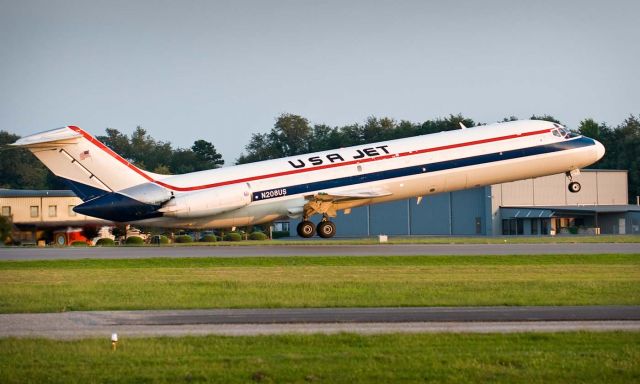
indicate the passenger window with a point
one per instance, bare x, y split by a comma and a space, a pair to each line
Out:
556, 133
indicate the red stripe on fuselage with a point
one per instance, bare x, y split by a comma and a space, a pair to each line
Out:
296, 171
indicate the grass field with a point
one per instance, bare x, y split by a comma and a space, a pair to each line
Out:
51, 286
344, 358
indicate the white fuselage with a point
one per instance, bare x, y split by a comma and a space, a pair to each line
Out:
318, 183
416, 166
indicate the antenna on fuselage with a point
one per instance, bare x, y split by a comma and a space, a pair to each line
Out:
462, 125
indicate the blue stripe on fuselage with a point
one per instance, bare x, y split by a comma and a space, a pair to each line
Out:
421, 169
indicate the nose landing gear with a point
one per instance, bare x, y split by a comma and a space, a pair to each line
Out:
574, 186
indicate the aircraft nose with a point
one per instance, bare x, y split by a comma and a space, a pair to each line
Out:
599, 150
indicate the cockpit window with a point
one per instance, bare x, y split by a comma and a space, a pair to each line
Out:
561, 132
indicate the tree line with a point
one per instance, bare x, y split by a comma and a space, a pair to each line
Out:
294, 135
147, 153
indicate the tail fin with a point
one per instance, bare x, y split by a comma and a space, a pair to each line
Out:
91, 168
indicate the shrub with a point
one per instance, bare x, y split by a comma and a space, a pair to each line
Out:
183, 239
209, 238
105, 242
79, 243
159, 239
233, 236
134, 240
258, 236
5, 230
279, 234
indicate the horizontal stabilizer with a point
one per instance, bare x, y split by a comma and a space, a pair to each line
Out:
51, 136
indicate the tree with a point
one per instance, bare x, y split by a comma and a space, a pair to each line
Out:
376, 129
148, 153
405, 129
159, 156
588, 127
182, 161
118, 142
545, 118
450, 123
322, 137
290, 135
259, 148
349, 135
206, 154
20, 169
5, 229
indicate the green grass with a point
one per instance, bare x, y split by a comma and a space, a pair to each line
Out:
344, 358
51, 286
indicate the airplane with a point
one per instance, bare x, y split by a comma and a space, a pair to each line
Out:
317, 183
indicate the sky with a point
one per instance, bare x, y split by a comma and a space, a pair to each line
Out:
222, 70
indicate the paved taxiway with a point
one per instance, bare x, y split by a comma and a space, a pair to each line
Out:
70, 325
32, 253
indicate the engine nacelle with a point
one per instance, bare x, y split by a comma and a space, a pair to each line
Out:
209, 202
148, 193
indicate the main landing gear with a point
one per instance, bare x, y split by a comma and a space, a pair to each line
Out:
306, 229
325, 229
574, 186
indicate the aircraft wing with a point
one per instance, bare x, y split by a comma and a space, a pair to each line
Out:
355, 194
328, 203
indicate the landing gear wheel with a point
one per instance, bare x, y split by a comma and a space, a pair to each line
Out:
574, 187
306, 229
326, 229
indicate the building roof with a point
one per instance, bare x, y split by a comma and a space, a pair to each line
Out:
35, 193
554, 211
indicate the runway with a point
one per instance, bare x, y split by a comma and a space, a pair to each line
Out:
33, 253
73, 325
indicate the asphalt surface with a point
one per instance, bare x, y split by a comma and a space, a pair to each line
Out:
32, 253
70, 325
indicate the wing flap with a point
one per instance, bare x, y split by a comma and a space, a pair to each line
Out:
355, 194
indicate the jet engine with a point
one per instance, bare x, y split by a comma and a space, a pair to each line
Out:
208, 202
148, 193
